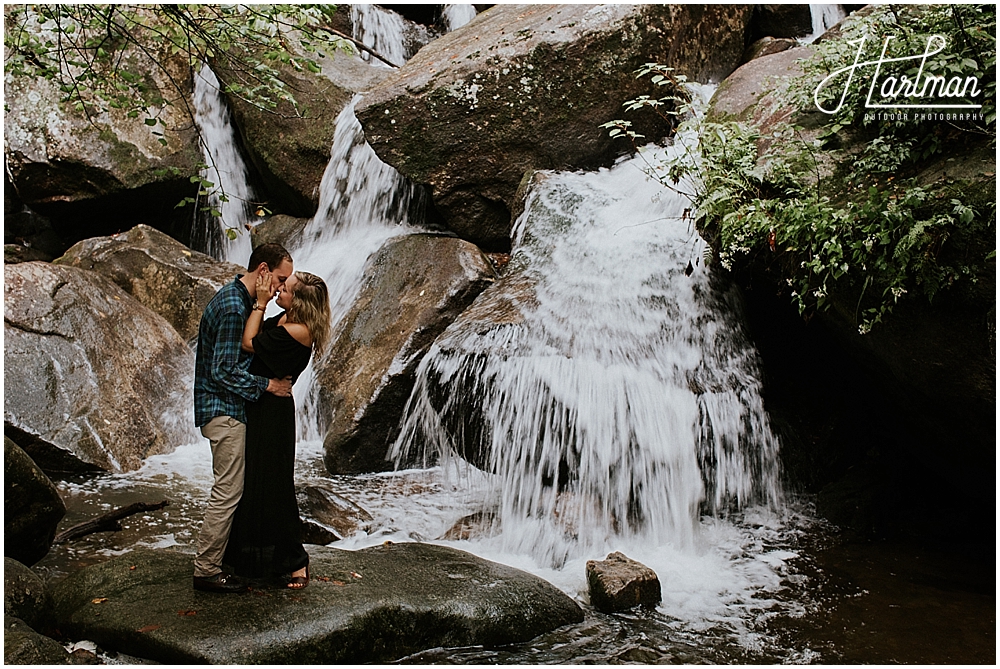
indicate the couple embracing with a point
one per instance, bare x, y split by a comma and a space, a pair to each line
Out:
244, 370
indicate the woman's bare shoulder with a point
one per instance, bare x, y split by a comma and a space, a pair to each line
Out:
299, 333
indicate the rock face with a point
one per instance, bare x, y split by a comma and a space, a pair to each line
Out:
528, 86
371, 605
32, 510
24, 594
619, 583
414, 287
91, 371
75, 169
341, 515
290, 147
483, 330
281, 229
23, 645
158, 271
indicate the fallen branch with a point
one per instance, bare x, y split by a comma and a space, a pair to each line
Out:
107, 522
364, 47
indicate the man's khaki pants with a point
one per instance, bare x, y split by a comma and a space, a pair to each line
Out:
228, 438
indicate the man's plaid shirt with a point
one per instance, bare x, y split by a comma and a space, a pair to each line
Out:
222, 381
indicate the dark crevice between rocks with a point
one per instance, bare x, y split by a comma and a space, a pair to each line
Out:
854, 440
153, 204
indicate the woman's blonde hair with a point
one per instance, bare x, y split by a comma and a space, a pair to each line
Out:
311, 307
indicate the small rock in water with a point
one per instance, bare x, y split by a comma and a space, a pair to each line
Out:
619, 583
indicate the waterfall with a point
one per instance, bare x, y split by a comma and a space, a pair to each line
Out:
381, 30
226, 170
824, 17
456, 16
363, 202
628, 402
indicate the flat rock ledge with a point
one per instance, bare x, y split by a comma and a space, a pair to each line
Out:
372, 605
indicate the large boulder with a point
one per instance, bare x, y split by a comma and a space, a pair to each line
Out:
32, 509
158, 271
23, 645
89, 370
528, 86
94, 172
24, 594
372, 605
414, 287
280, 229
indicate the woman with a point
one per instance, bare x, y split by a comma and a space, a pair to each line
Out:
266, 537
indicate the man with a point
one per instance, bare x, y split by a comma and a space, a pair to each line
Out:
222, 383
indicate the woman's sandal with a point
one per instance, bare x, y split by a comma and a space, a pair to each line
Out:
299, 582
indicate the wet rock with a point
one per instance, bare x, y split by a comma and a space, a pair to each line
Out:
341, 515
414, 287
371, 605
280, 229
528, 87
158, 271
619, 583
482, 332
314, 533
91, 371
74, 167
767, 46
32, 510
23, 645
24, 594
474, 525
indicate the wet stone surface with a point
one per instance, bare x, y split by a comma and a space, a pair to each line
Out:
372, 605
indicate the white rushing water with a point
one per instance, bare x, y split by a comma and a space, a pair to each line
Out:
231, 194
363, 202
381, 30
824, 17
631, 372
456, 16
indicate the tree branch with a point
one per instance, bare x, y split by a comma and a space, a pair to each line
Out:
106, 522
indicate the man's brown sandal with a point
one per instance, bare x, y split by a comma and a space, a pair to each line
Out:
299, 582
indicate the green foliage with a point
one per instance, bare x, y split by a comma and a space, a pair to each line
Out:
860, 227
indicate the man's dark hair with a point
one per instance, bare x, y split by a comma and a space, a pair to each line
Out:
271, 254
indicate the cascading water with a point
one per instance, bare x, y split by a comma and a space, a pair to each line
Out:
628, 400
381, 30
226, 170
363, 202
456, 16
824, 17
